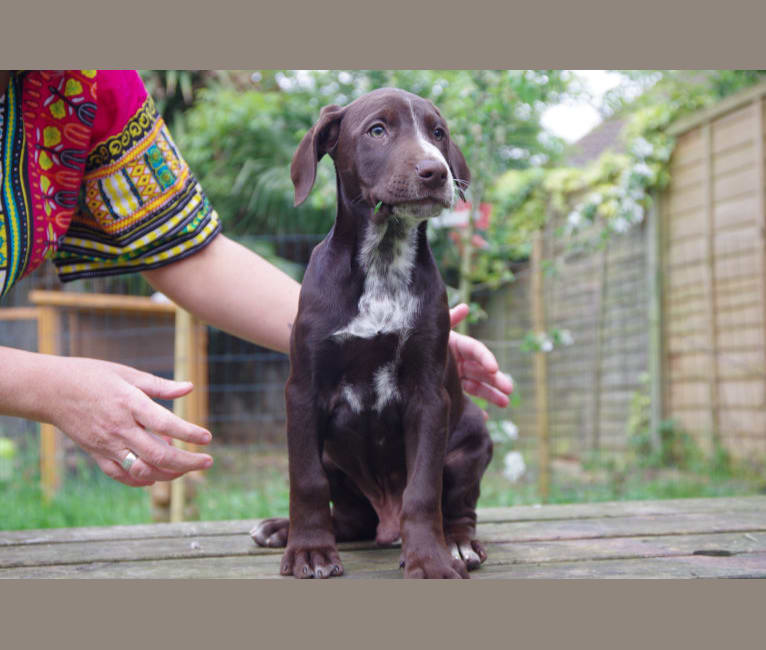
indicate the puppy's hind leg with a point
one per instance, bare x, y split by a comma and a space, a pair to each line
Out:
353, 517
271, 533
469, 451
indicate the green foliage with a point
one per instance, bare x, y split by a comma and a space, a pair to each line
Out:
612, 194
247, 483
87, 498
240, 142
546, 341
670, 446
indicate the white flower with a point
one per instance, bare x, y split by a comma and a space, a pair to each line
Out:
574, 218
595, 198
566, 337
514, 466
642, 169
620, 224
510, 429
546, 345
632, 211
642, 147
501, 431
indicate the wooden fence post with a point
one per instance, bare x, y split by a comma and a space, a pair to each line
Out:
654, 271
760, 166
190, 365
599, 313
48, 342
181, 407
541, 369
710, 283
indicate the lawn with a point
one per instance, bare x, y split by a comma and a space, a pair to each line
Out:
252, 483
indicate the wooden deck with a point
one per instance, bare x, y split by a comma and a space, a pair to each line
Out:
689, 538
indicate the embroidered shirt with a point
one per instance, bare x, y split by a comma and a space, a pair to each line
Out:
90, 178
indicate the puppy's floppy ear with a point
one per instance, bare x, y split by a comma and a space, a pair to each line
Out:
459, 168
319, 140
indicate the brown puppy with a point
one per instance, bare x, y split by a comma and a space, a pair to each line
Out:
377, 422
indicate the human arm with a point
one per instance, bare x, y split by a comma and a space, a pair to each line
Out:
106, 408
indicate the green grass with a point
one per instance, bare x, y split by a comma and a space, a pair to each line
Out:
88, 499
251, 483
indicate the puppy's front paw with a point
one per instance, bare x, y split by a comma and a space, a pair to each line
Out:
311, 561
435, 562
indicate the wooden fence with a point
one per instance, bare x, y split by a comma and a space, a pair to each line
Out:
713, 257
599, 297
680, 299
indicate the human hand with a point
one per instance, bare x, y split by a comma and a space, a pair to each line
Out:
106, 408
477, 366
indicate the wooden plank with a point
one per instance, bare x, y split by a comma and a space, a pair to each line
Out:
736, 211
100, 302
742, 422
739, 184
693, 566
733, 130
686, 202
18, 313
597, 527
684, 175
741, 393
734, 158
588, 535
680, 556
743, 239
688, 148
605, 509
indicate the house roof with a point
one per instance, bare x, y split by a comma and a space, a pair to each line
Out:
605, 136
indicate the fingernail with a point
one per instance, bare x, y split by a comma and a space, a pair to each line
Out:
208, 462
207, 437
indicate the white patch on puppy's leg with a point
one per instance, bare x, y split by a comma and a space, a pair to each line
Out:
384, 381
352, 398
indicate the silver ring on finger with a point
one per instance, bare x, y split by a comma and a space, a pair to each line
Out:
128, 461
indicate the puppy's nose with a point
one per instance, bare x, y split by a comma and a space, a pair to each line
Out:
432, 173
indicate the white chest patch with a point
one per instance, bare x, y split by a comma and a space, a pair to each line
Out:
387, 304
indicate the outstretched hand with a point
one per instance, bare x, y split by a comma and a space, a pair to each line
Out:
108, 410
477, 366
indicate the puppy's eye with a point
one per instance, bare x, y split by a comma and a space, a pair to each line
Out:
439, 133
377, 131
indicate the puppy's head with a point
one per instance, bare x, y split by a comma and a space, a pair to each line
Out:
392, 151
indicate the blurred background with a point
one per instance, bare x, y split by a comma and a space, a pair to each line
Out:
611, 248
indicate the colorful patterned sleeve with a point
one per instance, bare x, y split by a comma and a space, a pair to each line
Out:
140, 206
